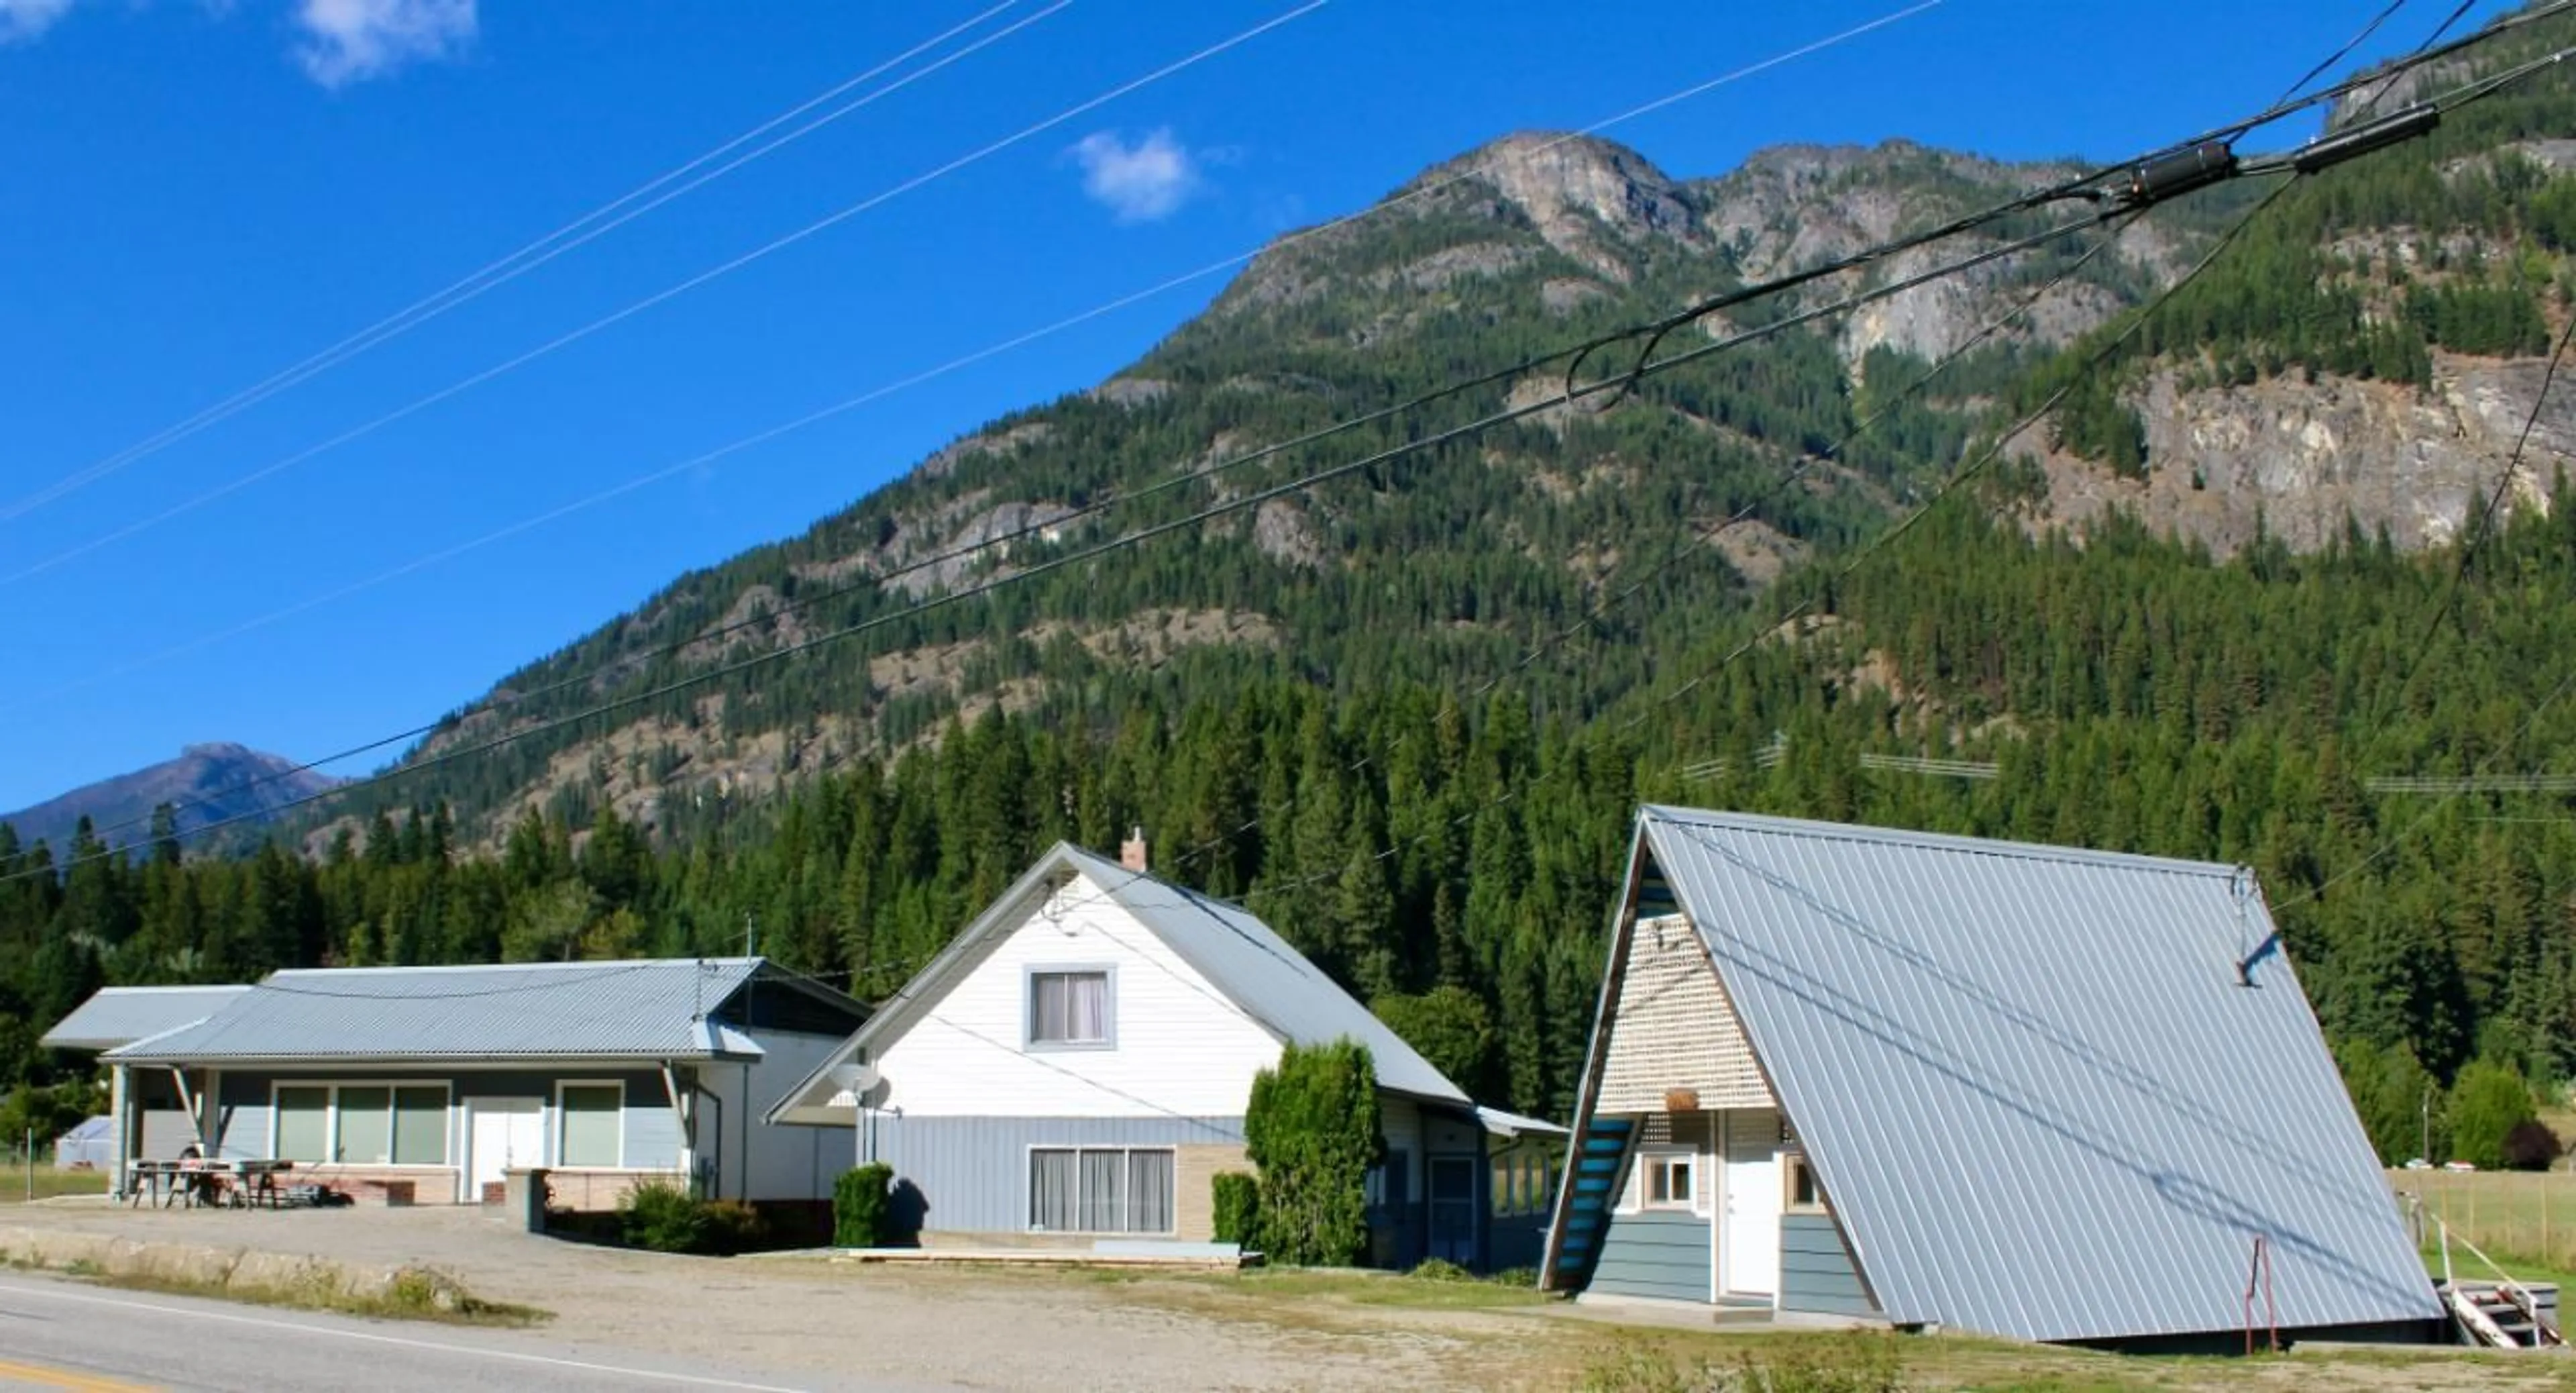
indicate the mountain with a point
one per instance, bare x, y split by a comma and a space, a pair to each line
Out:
2365, 352
1446, 567
206, 778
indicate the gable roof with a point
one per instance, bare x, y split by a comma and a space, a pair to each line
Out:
1252, 966
2030, 1079
656, 1009
116, 1016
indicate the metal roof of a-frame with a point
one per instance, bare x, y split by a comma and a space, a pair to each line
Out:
2032, 1084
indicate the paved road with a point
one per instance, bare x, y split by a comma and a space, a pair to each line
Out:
66, 1335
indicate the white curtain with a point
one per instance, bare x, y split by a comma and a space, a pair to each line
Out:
1051, 1191
1102, 1180
1149, 1192
1069, 1007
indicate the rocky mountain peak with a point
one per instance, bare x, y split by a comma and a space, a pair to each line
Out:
1571, 189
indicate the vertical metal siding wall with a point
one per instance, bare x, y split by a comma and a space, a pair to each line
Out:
974, 1172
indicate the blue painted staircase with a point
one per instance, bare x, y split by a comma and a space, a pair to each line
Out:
1598, 1168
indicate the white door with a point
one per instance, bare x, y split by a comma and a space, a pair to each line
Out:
1749, 1227
508, 1134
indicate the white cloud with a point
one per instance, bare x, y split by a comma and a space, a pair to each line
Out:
353, 40
1142, 182
25, 19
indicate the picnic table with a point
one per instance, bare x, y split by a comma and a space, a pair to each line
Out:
243, 1183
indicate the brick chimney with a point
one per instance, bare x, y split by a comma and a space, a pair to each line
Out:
1131, 852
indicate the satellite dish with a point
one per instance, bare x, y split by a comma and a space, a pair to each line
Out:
854, 1078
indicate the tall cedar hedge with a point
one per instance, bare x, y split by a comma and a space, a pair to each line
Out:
1312, 1128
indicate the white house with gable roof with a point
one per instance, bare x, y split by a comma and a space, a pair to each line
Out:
1076, 1064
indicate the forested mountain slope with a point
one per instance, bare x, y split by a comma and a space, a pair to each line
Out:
1444, 568
1288, 702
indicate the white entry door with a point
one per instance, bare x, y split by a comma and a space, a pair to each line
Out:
509, 1134
1748, 1231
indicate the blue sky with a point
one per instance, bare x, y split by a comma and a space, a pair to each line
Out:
201, 193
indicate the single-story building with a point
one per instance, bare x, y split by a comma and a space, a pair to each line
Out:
436, 1082
1934, 1081
1076, 1064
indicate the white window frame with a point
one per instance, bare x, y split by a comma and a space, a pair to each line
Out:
1634, 1196
331, 1120
1108, 974
1126, 1177
555, 1132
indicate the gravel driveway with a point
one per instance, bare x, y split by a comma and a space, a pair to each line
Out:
973, 1327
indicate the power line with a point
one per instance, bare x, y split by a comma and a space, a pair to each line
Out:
930, 563
667, 293
590, 226
2484, 523
1197, 518
1569, 395
2340, 54
891, 388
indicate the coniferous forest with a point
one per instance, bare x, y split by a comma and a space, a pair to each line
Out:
1456, 866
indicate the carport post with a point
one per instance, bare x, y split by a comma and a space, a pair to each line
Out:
119, 1099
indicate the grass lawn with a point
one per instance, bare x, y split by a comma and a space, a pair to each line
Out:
2526, 1221
50, 1183
1514, 1338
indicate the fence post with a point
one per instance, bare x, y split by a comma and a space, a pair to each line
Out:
31, 1165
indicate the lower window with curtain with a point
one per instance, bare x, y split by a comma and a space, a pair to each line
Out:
1100, 1189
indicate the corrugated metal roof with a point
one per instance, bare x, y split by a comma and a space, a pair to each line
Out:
1261, 973
2031, 1083
1241, 956
613, 1010
116, 1016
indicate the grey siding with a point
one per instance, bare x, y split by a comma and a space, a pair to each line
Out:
652, 1130
1655, 1252
972, 1173
1816, 1269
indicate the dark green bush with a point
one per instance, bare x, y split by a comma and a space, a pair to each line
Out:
1238, 1207
860, 1211
659, 1215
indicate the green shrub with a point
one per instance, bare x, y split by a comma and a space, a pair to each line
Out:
659, 1215
860, 1211
1312, 1128
2487, 1102
1441, 1270
1238, 1206
730, 1227
1514, 1277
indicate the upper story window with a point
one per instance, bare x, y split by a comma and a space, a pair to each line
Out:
1071, 1008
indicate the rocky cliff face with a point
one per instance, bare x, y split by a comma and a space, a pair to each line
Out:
2297, 458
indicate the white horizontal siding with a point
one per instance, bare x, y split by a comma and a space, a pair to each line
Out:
1180, 1048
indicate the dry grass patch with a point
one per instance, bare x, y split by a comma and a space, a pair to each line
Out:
49, 1183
